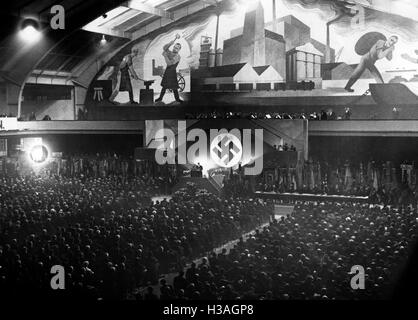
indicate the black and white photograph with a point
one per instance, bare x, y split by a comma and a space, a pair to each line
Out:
211, 158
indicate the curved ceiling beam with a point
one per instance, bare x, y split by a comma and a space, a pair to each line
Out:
143, 7
21, 61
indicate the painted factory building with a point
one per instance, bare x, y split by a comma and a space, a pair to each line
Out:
239, 76
256, 45
287, 55
304, 64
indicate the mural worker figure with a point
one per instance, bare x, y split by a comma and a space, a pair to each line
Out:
172, 58
123, 75
381, 49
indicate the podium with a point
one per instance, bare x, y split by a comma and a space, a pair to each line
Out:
196, 173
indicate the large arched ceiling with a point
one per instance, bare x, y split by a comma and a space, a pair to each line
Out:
61, 52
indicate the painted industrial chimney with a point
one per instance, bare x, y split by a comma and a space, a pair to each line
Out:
211, 61
274, 17
345, 11
219, 57
328, 47
253, 49
205, 45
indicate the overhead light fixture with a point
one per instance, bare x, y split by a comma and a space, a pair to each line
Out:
103, 41
29, 31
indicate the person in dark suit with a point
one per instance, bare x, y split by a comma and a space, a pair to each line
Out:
172, 58
331, 115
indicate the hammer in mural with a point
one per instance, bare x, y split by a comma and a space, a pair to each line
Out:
372, 46
172, 58
123, 74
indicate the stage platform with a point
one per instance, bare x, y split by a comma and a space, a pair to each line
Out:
375, 106
309, 197
316, 97
190, 111
193, 109
135, 112
27, 128
200, 183
392, 128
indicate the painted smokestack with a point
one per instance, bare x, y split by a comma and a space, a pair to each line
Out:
205, 45
253, 49
211, 60
274, 17
219, 57
328, 47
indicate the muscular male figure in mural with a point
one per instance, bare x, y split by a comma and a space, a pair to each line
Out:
381, 49
172, 58
123, 74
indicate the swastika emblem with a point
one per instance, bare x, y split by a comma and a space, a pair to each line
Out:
226, 150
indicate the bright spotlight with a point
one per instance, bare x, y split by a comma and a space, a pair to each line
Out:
39, 154
103, 41
29, 31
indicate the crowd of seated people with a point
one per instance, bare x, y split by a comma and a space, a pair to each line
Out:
97, 165
382, 182
107, 233
307, 255
322, 115
112, 239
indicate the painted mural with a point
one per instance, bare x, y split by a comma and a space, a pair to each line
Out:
283, 48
